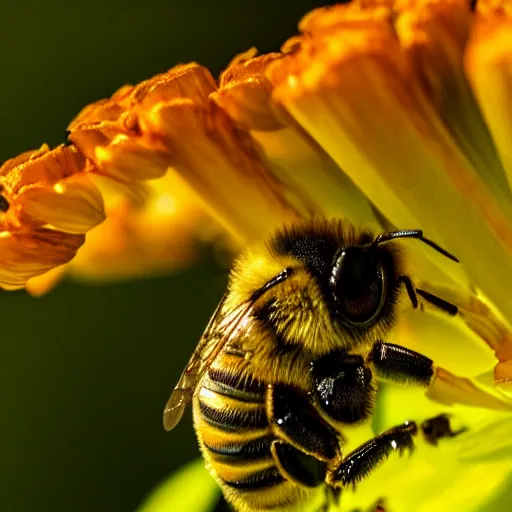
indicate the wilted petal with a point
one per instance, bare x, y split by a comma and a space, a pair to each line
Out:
27, 254
488, 63
72, 205
350, 73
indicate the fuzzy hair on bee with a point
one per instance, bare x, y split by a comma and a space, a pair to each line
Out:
290, 360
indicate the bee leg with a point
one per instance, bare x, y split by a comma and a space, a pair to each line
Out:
297, 466
401, 365
295, 420
439, 427
358, 464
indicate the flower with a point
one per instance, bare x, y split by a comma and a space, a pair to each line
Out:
385, 112
391, 113
48, 203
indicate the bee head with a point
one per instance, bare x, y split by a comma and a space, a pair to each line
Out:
357, 275
363, 277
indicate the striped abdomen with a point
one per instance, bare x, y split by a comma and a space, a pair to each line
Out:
235, 437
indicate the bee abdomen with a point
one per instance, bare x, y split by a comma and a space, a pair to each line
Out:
230, 415
241, 452
258, 481
236, 440
227, 384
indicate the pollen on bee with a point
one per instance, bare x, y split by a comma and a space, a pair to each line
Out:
5, 234
393, 444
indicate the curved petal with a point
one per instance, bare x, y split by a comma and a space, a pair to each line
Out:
72, 205
27, 254
488, 63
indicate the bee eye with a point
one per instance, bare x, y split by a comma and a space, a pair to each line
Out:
357, 284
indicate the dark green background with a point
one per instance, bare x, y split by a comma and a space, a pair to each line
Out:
85, 371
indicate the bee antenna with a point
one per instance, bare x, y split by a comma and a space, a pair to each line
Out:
411, 233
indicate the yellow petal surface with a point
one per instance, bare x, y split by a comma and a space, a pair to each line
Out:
27, 254
72, 205
461, 473
433, 35
245, 93
488, 63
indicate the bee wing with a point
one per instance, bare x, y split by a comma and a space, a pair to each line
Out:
221, 329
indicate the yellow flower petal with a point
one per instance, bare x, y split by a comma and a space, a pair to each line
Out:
461, 473
27, 254
244, 92
433, 35
488, 63
50, 187
40, 285
447, 388
181, 492
47, 204
72, 205
482, 320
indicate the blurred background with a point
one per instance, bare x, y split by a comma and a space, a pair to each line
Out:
85, 370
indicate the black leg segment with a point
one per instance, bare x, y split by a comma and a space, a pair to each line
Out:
438, 428
409, 288
438, 302
358, 464
401, 365
297, 466
294, 420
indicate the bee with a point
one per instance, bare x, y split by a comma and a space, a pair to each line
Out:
290, 359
